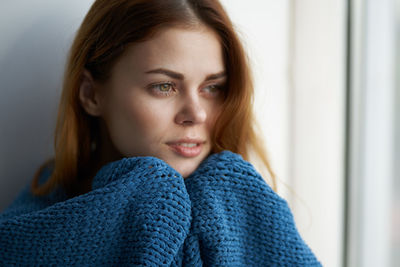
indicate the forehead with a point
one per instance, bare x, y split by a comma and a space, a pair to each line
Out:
197, 49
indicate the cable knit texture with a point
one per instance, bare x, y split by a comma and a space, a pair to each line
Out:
141, 212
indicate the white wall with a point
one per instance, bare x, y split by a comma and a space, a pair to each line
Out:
318, 129
34, 40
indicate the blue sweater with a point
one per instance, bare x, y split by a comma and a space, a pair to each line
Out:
141, 212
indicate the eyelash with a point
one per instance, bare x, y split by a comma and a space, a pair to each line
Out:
155, 88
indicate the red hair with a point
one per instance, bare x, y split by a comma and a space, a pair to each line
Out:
109, 27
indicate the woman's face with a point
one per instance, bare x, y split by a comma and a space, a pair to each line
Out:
164, 96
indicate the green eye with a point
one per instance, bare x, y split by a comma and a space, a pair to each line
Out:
165, 87
213, 88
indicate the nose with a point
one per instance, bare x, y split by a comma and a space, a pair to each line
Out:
191, 111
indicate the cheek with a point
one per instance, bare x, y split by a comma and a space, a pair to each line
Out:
136, 122
144, 117
213, 114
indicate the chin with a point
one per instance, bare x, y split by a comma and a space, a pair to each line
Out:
186, 172
185, 169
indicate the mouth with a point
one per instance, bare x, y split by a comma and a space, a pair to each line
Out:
187, 148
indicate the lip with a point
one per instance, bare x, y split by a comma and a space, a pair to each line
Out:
184, 151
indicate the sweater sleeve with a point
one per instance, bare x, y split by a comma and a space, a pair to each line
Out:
138, 214
26, 202
238, 220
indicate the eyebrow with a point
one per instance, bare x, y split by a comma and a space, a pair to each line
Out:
180, 76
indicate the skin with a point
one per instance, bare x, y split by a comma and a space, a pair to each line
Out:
145, 111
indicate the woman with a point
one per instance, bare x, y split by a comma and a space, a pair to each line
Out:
154, 127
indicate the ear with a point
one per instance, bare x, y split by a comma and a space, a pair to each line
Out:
89, 95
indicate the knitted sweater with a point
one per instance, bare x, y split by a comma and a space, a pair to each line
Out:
141, 212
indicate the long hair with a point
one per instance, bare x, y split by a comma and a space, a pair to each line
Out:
108, 28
